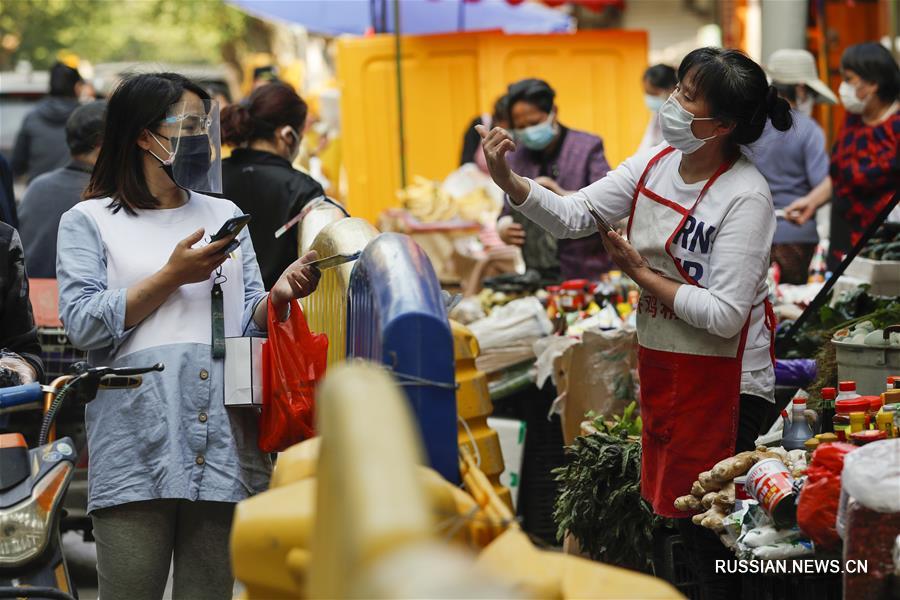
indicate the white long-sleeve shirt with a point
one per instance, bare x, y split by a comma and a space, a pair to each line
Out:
734, 272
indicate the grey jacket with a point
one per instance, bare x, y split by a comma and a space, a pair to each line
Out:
45, 201
41, 142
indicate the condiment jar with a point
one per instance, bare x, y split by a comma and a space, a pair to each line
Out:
843, 408
858, 422
573, 295
861, 438
875, 404
884, 421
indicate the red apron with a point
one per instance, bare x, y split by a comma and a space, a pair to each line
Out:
690, 379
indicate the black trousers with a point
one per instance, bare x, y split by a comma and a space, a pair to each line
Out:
703, 545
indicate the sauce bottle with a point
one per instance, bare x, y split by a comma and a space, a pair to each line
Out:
797, 431
858, 422
827, 408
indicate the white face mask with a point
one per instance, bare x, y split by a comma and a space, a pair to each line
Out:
806, 106
675, 122
654, 103
847, 92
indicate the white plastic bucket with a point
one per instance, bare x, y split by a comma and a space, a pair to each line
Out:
868, 366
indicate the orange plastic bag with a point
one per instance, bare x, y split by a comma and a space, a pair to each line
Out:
294, 361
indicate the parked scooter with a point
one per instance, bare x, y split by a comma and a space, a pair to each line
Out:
34, 481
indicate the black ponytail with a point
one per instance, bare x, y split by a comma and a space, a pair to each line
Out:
736, 91
778, 110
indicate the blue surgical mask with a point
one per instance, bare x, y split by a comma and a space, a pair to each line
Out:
654, 103
537, 137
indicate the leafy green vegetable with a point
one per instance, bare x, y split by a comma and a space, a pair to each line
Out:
600, 500
626, 424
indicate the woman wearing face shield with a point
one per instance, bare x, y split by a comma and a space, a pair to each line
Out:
265, 131
865, 169
795, 162
561, 159
701, 226
138, 285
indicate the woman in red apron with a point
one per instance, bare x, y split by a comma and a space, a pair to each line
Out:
700, 229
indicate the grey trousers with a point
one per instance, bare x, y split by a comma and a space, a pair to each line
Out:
136, 543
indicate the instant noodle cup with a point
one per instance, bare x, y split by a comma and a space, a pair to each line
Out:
770, 483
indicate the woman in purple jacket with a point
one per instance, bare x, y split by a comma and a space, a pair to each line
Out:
560, 159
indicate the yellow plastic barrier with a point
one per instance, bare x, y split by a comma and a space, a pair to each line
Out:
450, 79
371, 525
326, 308
473, 403
320, 214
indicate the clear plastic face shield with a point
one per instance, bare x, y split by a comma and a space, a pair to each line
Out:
193, 155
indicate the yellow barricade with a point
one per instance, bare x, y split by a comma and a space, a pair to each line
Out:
473, 403
450, 79
326, 308
319, 214
368, 521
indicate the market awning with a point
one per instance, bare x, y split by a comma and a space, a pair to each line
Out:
335, 17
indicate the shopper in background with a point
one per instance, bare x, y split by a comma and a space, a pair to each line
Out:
138, 286
865, 169
41, 142
265, 75
52, 194
699, 239
560, 159
795, 162
472, 151
8, 212
265, 132
659, 82
20, 349
220, 93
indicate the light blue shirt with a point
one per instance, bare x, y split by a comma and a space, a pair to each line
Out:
793, 162
172, 437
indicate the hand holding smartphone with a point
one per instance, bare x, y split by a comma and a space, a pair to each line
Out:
603, 226
232, 226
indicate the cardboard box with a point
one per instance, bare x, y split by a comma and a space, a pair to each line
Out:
244, 371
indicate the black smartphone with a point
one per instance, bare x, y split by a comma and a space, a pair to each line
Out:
603, 225
232, 226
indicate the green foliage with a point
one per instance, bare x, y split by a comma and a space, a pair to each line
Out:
624, 425
600, 500
182, 31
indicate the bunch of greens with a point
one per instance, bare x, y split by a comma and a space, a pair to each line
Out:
600, 500
626, 424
